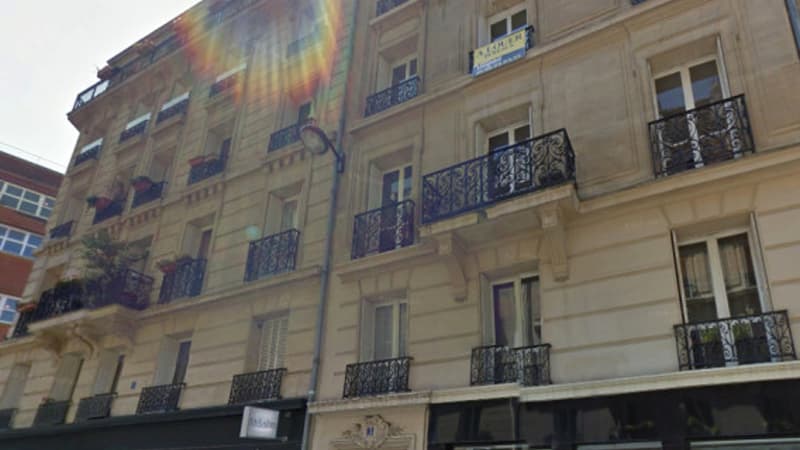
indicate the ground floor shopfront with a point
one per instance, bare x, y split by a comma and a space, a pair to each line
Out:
194, 429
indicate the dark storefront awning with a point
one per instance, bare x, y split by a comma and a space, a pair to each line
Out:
195, 429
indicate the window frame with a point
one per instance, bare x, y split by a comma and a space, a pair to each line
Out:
506, 15
683, 71
368, 325
41, 204
279, 358
406, 63
508, 129
400, 169
25, 243
519, 309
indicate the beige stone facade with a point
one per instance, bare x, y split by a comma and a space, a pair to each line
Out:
628, 253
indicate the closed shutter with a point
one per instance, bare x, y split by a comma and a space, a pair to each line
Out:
66, 377
272, 342
15, 386
487, 311
106, 372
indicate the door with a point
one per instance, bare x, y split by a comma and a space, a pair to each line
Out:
510, 165
515, 306
688, 142
395, 231
181, 362
204, 245
403, 70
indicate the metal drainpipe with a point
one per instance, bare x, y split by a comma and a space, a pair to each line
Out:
326, 265
794, 20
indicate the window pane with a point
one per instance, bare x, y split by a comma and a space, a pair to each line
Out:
383, 332
697, 286
13, 190
531, 303
17, 235
12, 247
504, 314
182, 362
407, 183
45, 212
519, 20
500, 140
9, 201
28, 251
498, 29
49, 202
398, 74
35, 240
706, 87
740, 279
403, 331
412, 67
669, 93
31, 196
391, 187
522, 133
288, 215
29, 208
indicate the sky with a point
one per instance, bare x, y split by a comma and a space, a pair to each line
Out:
50, 51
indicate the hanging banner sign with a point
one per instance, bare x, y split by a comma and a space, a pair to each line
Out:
504, 50
259, 423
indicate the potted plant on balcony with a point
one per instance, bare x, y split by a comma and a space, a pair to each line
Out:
197, 160
141, 183
709, 352
98, 202
751, 342
106, 262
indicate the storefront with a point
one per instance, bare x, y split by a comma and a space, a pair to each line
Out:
750, 416
195, 429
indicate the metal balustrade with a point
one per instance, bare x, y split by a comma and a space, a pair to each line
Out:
129, 288
174, 110
701, 136
285, 136
135, 130
538, 163
387, 376
497, 364
185, 281
148, 195
209, 167
256, 386
7, 418
393, 95
94, 407
383, 229
160, 399
61, 231
757, 338
384, 6
113, 209
86, 155
226, 84
62, 299
21, 328
51, 413
272, 255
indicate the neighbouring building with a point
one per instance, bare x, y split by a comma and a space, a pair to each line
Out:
27, 197
566, 225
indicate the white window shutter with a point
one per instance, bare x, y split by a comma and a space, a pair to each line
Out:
15, 386
272, 342
106, 371
66, 377
165, 367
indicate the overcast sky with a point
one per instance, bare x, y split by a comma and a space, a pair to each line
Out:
49, 51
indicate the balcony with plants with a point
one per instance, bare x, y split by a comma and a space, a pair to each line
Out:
146, 190
207, 166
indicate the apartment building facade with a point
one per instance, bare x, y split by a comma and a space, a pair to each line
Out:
567, 225
189, 153
27, 197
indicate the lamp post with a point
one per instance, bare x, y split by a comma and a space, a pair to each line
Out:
317, 142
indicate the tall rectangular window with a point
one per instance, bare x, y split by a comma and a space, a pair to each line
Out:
181, 361
515, 311
108, 372
66, 377
173, 360
272, 341
385, 329
15, 386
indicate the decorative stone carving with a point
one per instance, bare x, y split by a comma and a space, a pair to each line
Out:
372, 433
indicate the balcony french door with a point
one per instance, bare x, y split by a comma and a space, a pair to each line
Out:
510, 167
395, 188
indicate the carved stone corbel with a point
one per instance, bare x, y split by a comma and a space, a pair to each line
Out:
86, 336
450, 248
554, 241
52, 344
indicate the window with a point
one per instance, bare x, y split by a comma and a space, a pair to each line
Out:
181, 362
749, 444
18, 242
404, 69
509, 170
688, 87
515, 311
304, 112
718, 277
26, 200
271, 334
507, 21
173, 360
143, 118
289, 214
108, 372
513, 134
90, 146
66, 377
385, 328
8, 309
396, 185
175, 101
15, 386
218, 140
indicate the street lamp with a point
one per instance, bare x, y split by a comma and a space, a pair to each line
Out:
316, 141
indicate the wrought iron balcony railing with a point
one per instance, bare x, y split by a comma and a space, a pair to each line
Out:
62, 299
185, 281
700, 137
86, 155
256, 386
51, 413
383, 229
6, 418
113, 209
61, 231
387, 376
160, 399
758, 338
225, 84
272, 255
128, 288
174, 110
496, 364
394, 95
285, 136
538, 163
209, 167
21, 328
94, 407
133, 131
385, 6
149, 195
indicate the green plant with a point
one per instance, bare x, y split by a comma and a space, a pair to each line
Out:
708, 335
742, 331
106, 258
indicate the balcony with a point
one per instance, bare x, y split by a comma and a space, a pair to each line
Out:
160, 399
538, 163
51, 413
62, 231
148, 195
500, 52
224, 85
495, 364
388, 376
91, 153
63, 299
256, 386
703, 136
173, 110
758, 338
285, 137
185, 281
384, 6
95, 407
7, 418
21, 328
392, 96
209, 168
272, 255
129, 288
383, 229
113, 209
135, 130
